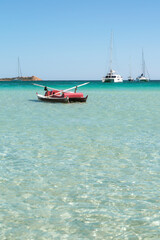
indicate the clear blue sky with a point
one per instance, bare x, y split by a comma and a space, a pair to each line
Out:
69, 39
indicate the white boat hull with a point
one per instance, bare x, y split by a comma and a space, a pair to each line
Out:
53, 99
142, 79
115, 80
118, 80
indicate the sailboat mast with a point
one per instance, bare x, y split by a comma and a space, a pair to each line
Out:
19, 69
111, 50
130, 70
143, 64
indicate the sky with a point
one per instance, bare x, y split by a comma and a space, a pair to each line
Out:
70, 39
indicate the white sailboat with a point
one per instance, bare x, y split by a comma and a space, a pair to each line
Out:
142, 77
19, 69
130, 78
19, 72
111, 75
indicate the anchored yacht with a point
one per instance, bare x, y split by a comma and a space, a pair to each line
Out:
111, 75
142, 77
130, 79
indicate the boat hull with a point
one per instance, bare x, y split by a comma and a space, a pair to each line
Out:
81, 99
142, 79
53, 99
147, 80
61, 99
118, 80
111, 80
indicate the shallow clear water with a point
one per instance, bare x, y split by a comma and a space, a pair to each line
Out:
82, 170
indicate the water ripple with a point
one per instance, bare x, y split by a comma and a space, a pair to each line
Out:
80, 171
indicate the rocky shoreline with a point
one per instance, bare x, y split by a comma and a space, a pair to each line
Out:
33, 78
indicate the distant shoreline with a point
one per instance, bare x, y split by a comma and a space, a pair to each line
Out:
32, 78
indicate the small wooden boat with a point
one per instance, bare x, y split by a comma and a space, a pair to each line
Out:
62, 96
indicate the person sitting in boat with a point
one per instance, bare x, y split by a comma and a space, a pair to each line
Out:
75, 89
46, 89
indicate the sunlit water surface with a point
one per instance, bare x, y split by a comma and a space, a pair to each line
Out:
83, 170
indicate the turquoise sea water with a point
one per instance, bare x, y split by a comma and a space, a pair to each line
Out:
82, 170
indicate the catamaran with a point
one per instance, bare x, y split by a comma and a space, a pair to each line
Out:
62, 96
142, 77
111, 75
